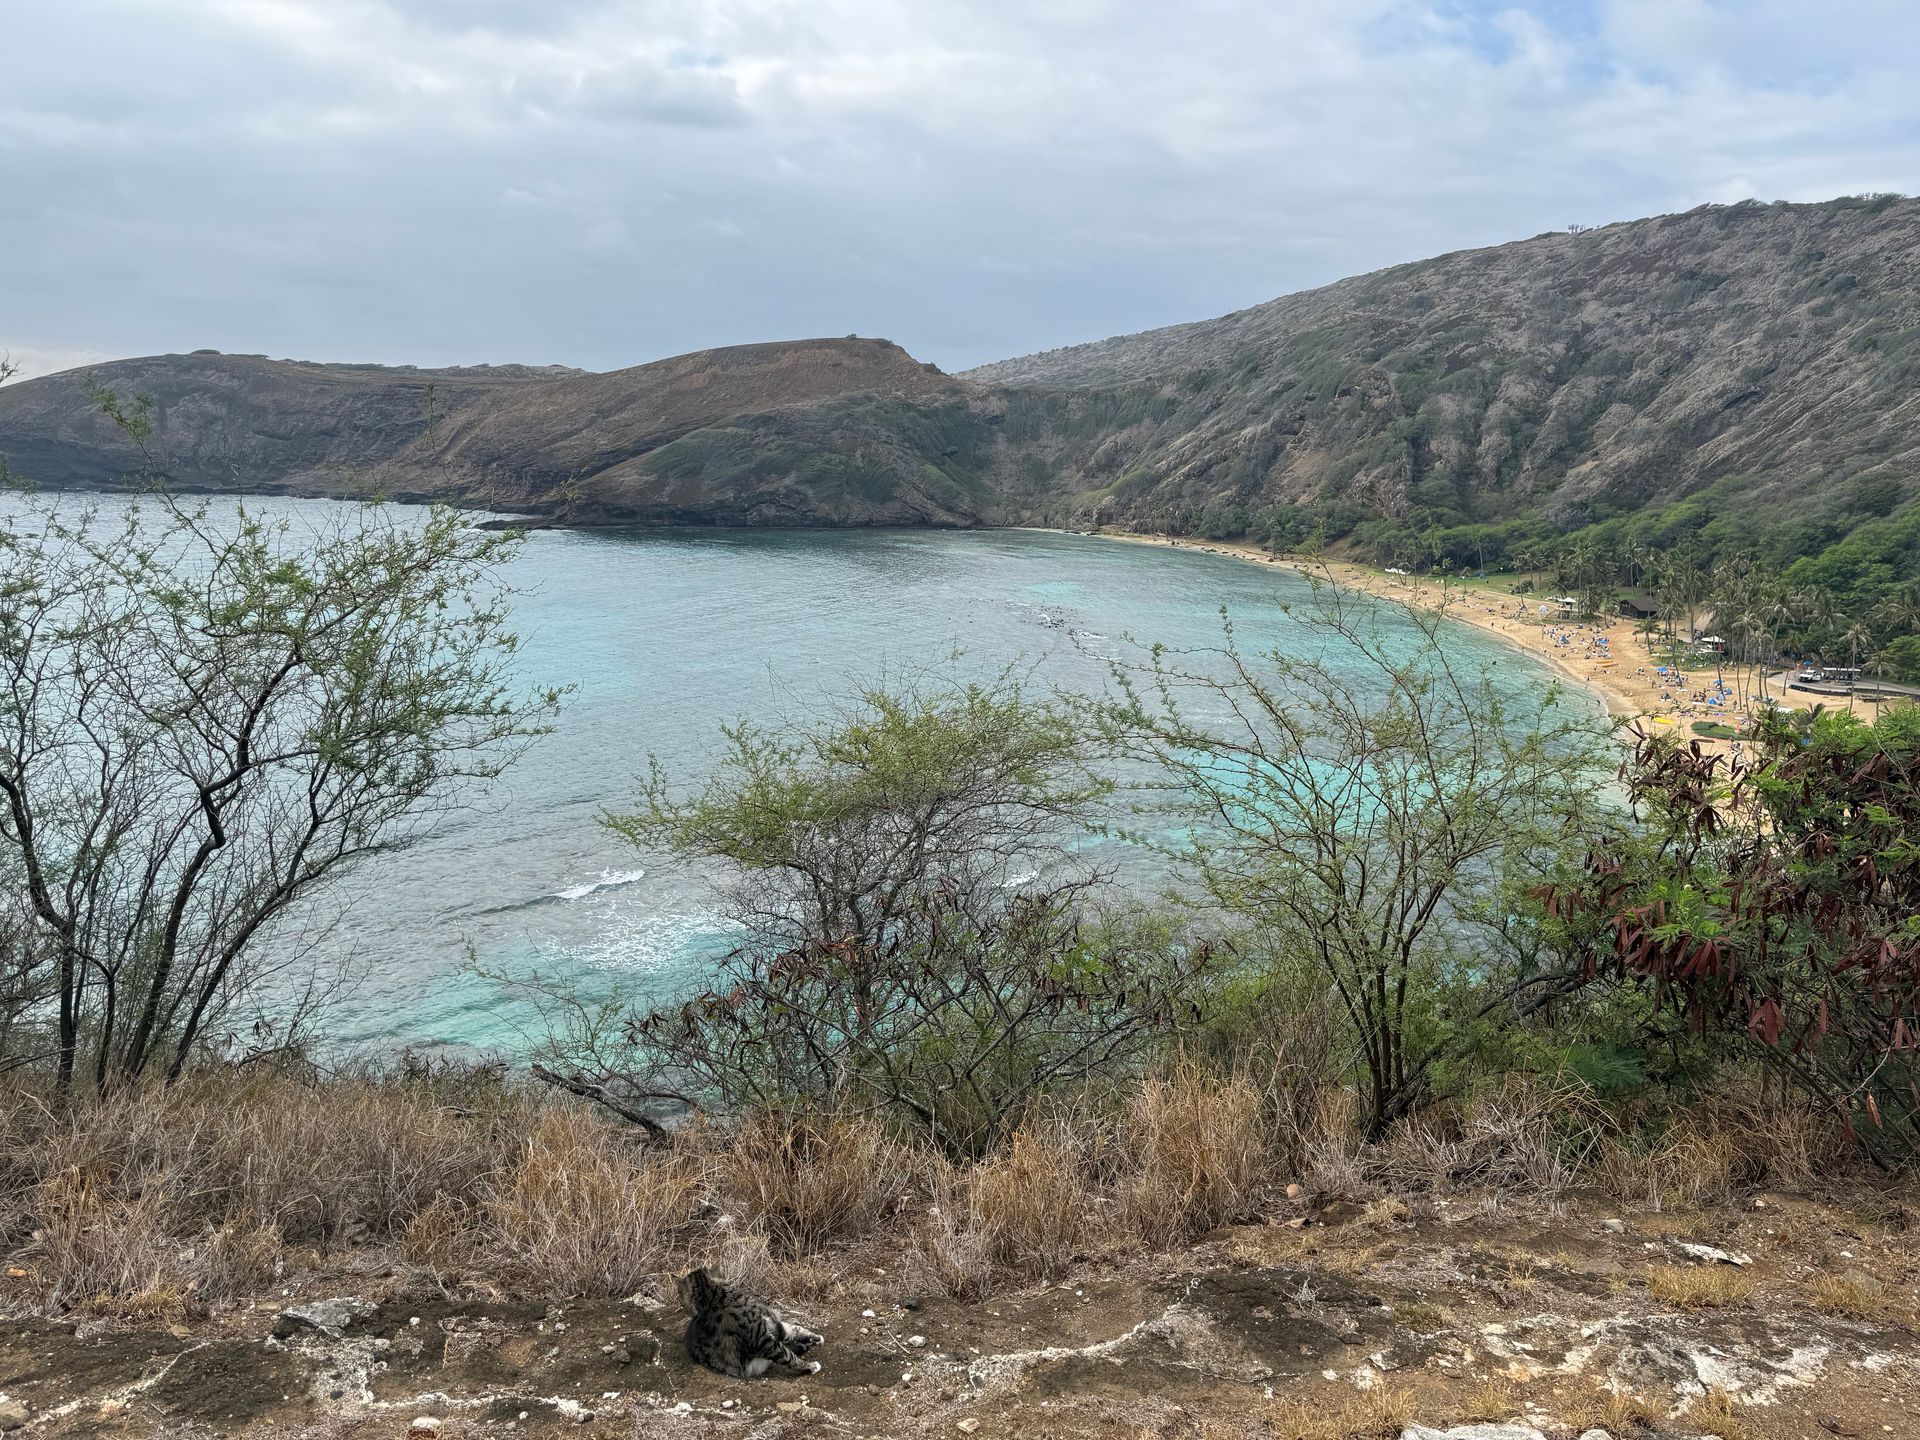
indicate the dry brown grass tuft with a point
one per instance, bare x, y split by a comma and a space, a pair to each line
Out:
1377, 1414
1023, 1210
583, 1211
1716, 1413
1710, 1151
1332, 1160
96, 1245
1494, 1400
1619, 1414
357, 1158
1704, 1287
1030, 1201
445, 1236
1845, 1295
1530, 1135
1197, 1156
813, 1182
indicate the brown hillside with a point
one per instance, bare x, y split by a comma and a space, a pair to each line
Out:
517, 446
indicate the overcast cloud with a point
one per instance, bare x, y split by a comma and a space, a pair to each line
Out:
604, 182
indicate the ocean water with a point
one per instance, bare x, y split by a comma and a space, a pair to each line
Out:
667, 635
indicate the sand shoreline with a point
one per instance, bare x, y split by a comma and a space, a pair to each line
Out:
1606, 657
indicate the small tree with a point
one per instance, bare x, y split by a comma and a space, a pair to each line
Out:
206, 716
1366, 806
912, 942
1777, 904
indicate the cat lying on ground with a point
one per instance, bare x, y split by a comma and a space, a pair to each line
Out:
739, 1335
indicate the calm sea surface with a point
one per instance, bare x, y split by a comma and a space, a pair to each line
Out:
665, 636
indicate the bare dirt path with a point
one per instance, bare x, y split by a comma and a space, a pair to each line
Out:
1795, 1321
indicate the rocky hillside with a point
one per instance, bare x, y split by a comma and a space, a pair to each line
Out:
555, 442
1482, 1320
1747, 372
1770, 350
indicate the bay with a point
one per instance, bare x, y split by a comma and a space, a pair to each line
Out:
665, 636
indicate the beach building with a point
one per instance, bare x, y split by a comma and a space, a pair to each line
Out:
1638, 605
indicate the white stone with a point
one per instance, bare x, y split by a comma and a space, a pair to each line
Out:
1472, 1432
330, 1316
916, 1341
1712, 1255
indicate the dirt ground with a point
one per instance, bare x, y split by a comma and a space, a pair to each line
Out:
1797, 1320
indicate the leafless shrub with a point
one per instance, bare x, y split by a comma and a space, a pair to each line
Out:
1528, 1135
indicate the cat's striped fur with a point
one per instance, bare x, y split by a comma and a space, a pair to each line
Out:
738, 1335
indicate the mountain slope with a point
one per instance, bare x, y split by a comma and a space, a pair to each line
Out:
561, 443
1741, 376
235, 421
1773, 351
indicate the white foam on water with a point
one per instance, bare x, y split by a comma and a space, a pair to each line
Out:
609, 880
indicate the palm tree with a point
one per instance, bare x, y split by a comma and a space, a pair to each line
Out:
1856, 637
1778, 612
1899, 610
1817, 610
1753, 633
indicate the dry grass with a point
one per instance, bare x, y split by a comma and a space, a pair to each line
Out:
360, 1158
1703, 1287
1529, 1135
1023, 1210
811, 1183
1845, 1295
1030, 1202
1197, 1156
1718, 1414
1376, 1414
1186, 1156
1709, 1152
585, 1212
1495, 1400
170, 1201
1620, 1415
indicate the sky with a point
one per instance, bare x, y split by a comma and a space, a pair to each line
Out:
605, 182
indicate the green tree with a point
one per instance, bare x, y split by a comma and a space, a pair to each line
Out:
205, 717
915, 939
1777, 907
1367, 806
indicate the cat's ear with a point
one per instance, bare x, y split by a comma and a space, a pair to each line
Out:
707, 1290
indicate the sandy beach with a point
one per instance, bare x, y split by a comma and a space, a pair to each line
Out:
1607, 657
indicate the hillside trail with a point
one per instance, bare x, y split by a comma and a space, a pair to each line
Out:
1555, 1321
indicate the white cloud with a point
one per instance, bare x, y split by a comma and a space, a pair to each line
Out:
605, 181
22, 361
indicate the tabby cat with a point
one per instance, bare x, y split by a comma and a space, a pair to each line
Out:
738, 1335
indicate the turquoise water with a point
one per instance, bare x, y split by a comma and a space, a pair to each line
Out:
665, 636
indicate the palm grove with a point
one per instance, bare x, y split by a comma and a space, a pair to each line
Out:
1843, 591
